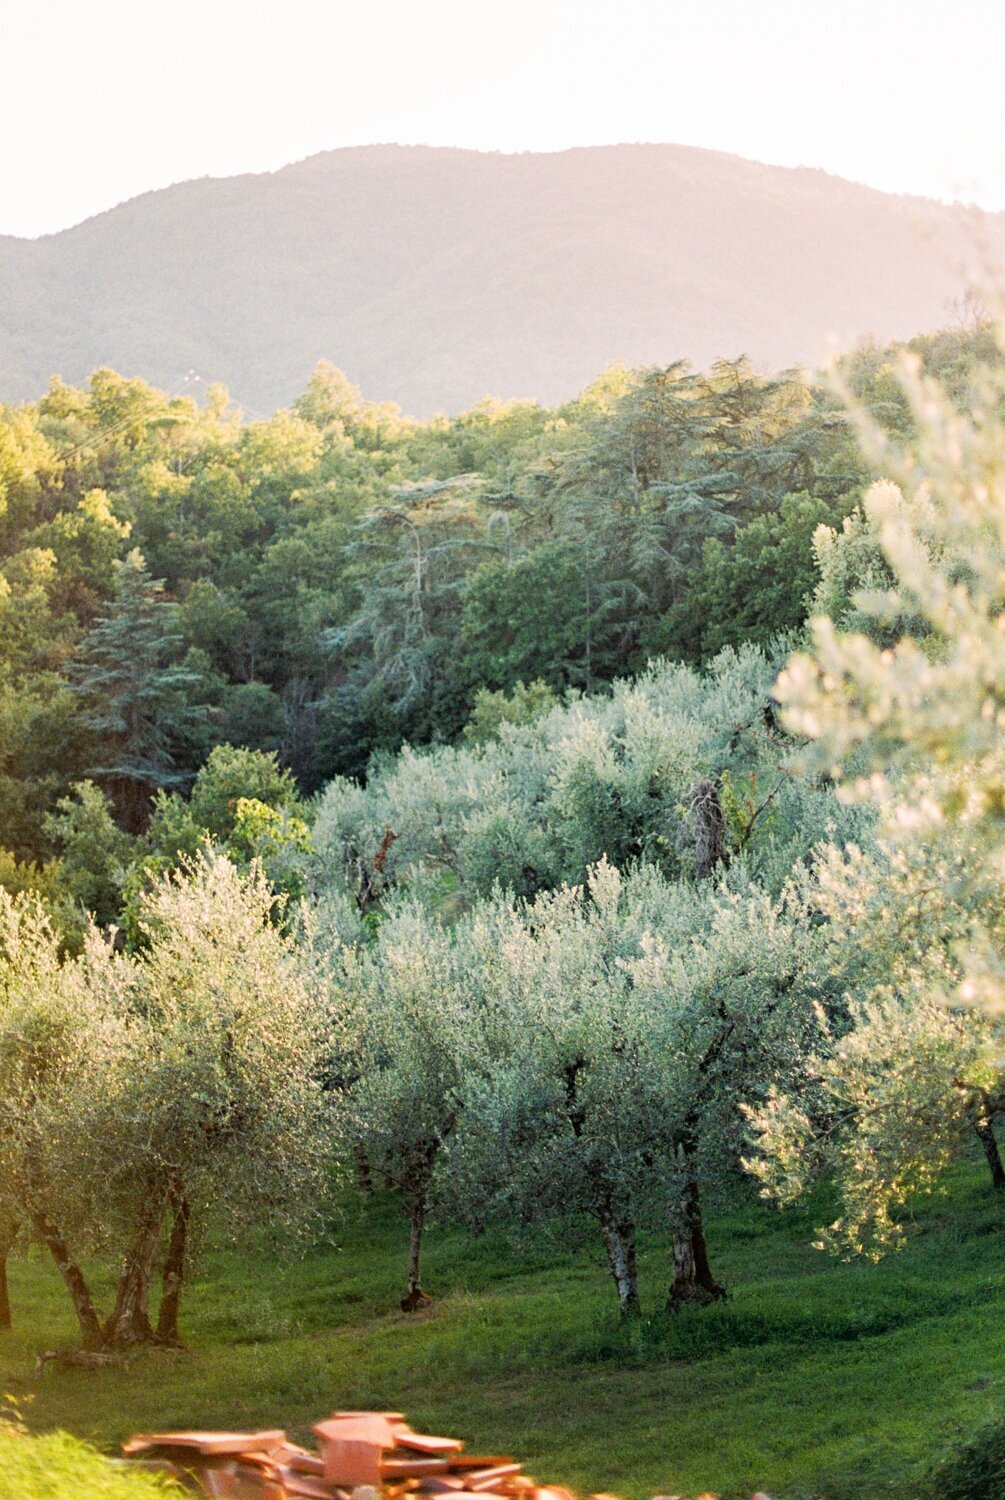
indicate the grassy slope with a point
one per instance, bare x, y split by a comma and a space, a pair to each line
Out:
56, 1466
816, 1380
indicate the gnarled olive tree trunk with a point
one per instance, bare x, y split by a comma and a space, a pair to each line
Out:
129, 1322
693, 1283
91, 1334
619, 1242
130, 1319
174, 1270
710, 849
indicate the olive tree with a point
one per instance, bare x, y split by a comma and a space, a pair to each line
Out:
916, 727
896, 1082
229, 1096
907, 712
632, 1018
607, 776
65, 1049
742, 1000
399, 1062
565, 1120
138, 1094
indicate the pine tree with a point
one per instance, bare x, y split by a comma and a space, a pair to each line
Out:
136, 692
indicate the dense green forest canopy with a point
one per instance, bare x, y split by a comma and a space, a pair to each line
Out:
339, 580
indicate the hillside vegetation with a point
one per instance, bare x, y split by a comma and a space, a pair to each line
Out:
449, 861
336, 580
434, 276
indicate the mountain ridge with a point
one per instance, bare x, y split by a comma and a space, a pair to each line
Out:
435, 275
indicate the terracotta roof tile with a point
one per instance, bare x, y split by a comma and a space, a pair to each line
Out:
364, 1455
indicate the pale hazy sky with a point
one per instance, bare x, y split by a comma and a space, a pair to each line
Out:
104, 99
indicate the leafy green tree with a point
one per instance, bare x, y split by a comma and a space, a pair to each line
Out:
215, 621
132, 688
413, 553
252, 716
547, 615
759, 586
242, 805
332, 403
494, 709
34, 636
85, 543
18, 877
44, 748
233, 773
28, 468
94, 853
275, 839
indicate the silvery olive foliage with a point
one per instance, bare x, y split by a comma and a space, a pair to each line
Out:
562, 1019
920, 723
236, 1026
138, 1091
408, 1037
604, 776
66, 1045
895, 1081
585, 1055
907, 712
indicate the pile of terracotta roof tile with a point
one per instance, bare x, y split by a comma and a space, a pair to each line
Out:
366, 1451
361, 1455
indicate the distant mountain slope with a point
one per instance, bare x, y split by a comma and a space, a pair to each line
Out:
435, 276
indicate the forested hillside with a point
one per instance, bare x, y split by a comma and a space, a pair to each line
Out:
555, 829
338, 580
435, 276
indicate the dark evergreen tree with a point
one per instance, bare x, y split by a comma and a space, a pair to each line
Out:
137, 694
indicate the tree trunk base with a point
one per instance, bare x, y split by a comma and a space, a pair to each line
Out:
128, 1335
91, 1336
130, 1320
695, 1294
693, 1284
174, 1343
415, 1299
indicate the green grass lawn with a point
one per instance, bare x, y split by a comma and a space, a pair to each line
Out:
816, 1379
